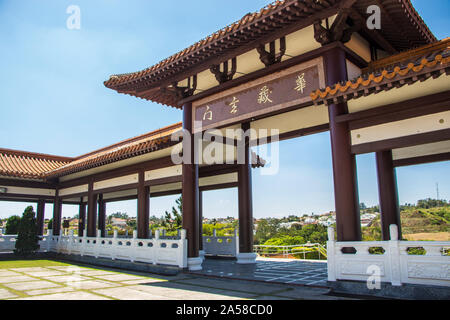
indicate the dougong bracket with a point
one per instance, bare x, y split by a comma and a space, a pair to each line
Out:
226, 74
271, 57
183, 92
345, 24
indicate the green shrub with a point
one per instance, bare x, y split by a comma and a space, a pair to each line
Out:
12, 225
27, 237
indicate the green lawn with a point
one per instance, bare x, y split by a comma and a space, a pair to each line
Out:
30, 263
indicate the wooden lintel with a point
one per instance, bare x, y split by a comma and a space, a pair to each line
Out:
416, 107
422, 159
402, 142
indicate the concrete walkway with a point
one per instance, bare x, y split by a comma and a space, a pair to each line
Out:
95, 283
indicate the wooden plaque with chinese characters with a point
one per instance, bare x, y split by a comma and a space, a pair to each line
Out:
275, 92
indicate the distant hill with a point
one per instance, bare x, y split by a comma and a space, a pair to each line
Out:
417, 224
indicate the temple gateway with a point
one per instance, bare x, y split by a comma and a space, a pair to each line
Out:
294, 68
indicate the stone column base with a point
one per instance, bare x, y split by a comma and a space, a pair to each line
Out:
246, 258
195, 264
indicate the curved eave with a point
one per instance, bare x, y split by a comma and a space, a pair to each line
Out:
111, 157
385, 81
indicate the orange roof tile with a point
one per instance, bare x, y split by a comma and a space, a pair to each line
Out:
395, 71
403, 28
28, 165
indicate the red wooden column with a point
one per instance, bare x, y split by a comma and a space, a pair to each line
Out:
348, 223
388, 195
200, 223
246, 254
102, 215
40, 216
81, 218
92, 212
190, 192
143, 208
57, 209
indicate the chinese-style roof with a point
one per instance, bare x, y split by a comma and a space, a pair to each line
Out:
22, 164
149, 142
403, 28
408, 67
28, 165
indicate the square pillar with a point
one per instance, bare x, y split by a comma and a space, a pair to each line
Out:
92, 212
81, 218
190, 191
40, 214
388, 194
143, 208
57, 209
246, 254
348, 223
102, 215
200, 225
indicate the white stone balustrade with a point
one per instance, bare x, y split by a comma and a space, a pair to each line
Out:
7, 243
156, 251
397, 266
226, 246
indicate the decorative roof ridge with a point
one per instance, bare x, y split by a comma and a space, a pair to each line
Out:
35, 155
15, 161
367, 80
241, 23
128, 141
409, 6
407, 55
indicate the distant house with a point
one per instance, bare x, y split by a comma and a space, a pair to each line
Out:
367, 219
73, 222
289, 225
310, 221
118, 222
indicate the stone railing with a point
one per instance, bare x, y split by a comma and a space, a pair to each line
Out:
156, 251
221, 246
8, 243
396, 262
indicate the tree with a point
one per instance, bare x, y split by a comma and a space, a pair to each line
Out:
12, 225
178, 212
27, 239
175, 222
50, 224
431, 203
119, 215
266, 229
132, 224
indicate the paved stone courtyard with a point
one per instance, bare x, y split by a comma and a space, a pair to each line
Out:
72, 282
270, 270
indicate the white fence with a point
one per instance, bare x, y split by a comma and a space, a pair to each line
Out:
221, 246
396, 265
156, 251
7, 243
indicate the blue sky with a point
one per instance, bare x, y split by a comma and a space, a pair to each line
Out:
53, 99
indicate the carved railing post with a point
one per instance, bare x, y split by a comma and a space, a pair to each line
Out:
394, 256
331, 246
